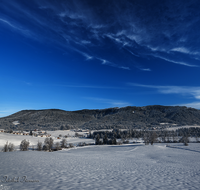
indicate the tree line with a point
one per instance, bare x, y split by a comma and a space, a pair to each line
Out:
48, 145
149, 137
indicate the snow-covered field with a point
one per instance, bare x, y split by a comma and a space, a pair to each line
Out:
104, 167
16, 139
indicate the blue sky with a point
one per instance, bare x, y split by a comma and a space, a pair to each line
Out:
87, 54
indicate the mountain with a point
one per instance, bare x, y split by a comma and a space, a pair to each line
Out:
126, 117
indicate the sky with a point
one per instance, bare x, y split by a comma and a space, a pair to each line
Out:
89, 54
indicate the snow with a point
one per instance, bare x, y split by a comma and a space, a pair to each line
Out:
16, 139
181, 127
132, 166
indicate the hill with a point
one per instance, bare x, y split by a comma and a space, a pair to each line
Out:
126, 117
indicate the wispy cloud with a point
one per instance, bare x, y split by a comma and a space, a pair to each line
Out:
87, 56
146, 69
76, 23
14, 26
106, 62
185, 51
90, 86
110, 102
8, 111
85, 42
182, 90
195, 105
176, 62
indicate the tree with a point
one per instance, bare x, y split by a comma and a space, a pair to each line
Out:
146, 138
197, 138
48, 143
5, 148
114, 141
105, 139
153, 137
64, 143
24, 145
185, 140
31, 133
11, 147
97, 139
39, 146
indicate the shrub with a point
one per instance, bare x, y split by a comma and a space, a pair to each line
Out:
71, 145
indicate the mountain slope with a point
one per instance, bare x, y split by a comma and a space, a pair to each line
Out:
127, 117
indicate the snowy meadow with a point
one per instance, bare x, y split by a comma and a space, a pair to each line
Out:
132, 166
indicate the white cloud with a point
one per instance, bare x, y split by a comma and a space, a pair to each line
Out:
182, 90
110, 102
106, 62
88, 57
176, 62
126, 68
85, 42
147, 69
185, 50
132, 53
25, 32
195, 105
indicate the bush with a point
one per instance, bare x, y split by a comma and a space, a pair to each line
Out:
71, 145
24, 145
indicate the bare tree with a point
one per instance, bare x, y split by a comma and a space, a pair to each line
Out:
49, 143
197, 138
11, 147
39, 146
5, 148
8, 147
64, 143
185, 140
24, 145
146, 138
57, 146
153, 137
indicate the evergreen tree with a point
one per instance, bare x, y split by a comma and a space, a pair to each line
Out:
105, 139
97, 140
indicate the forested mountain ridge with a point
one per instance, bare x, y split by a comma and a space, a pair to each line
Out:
126, 117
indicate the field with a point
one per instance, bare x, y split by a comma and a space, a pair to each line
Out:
133, 166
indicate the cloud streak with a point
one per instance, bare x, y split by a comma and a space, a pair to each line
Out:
79, 23
110, 102
182, 90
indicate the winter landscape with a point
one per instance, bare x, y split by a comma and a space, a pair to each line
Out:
126, 166
99, 95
